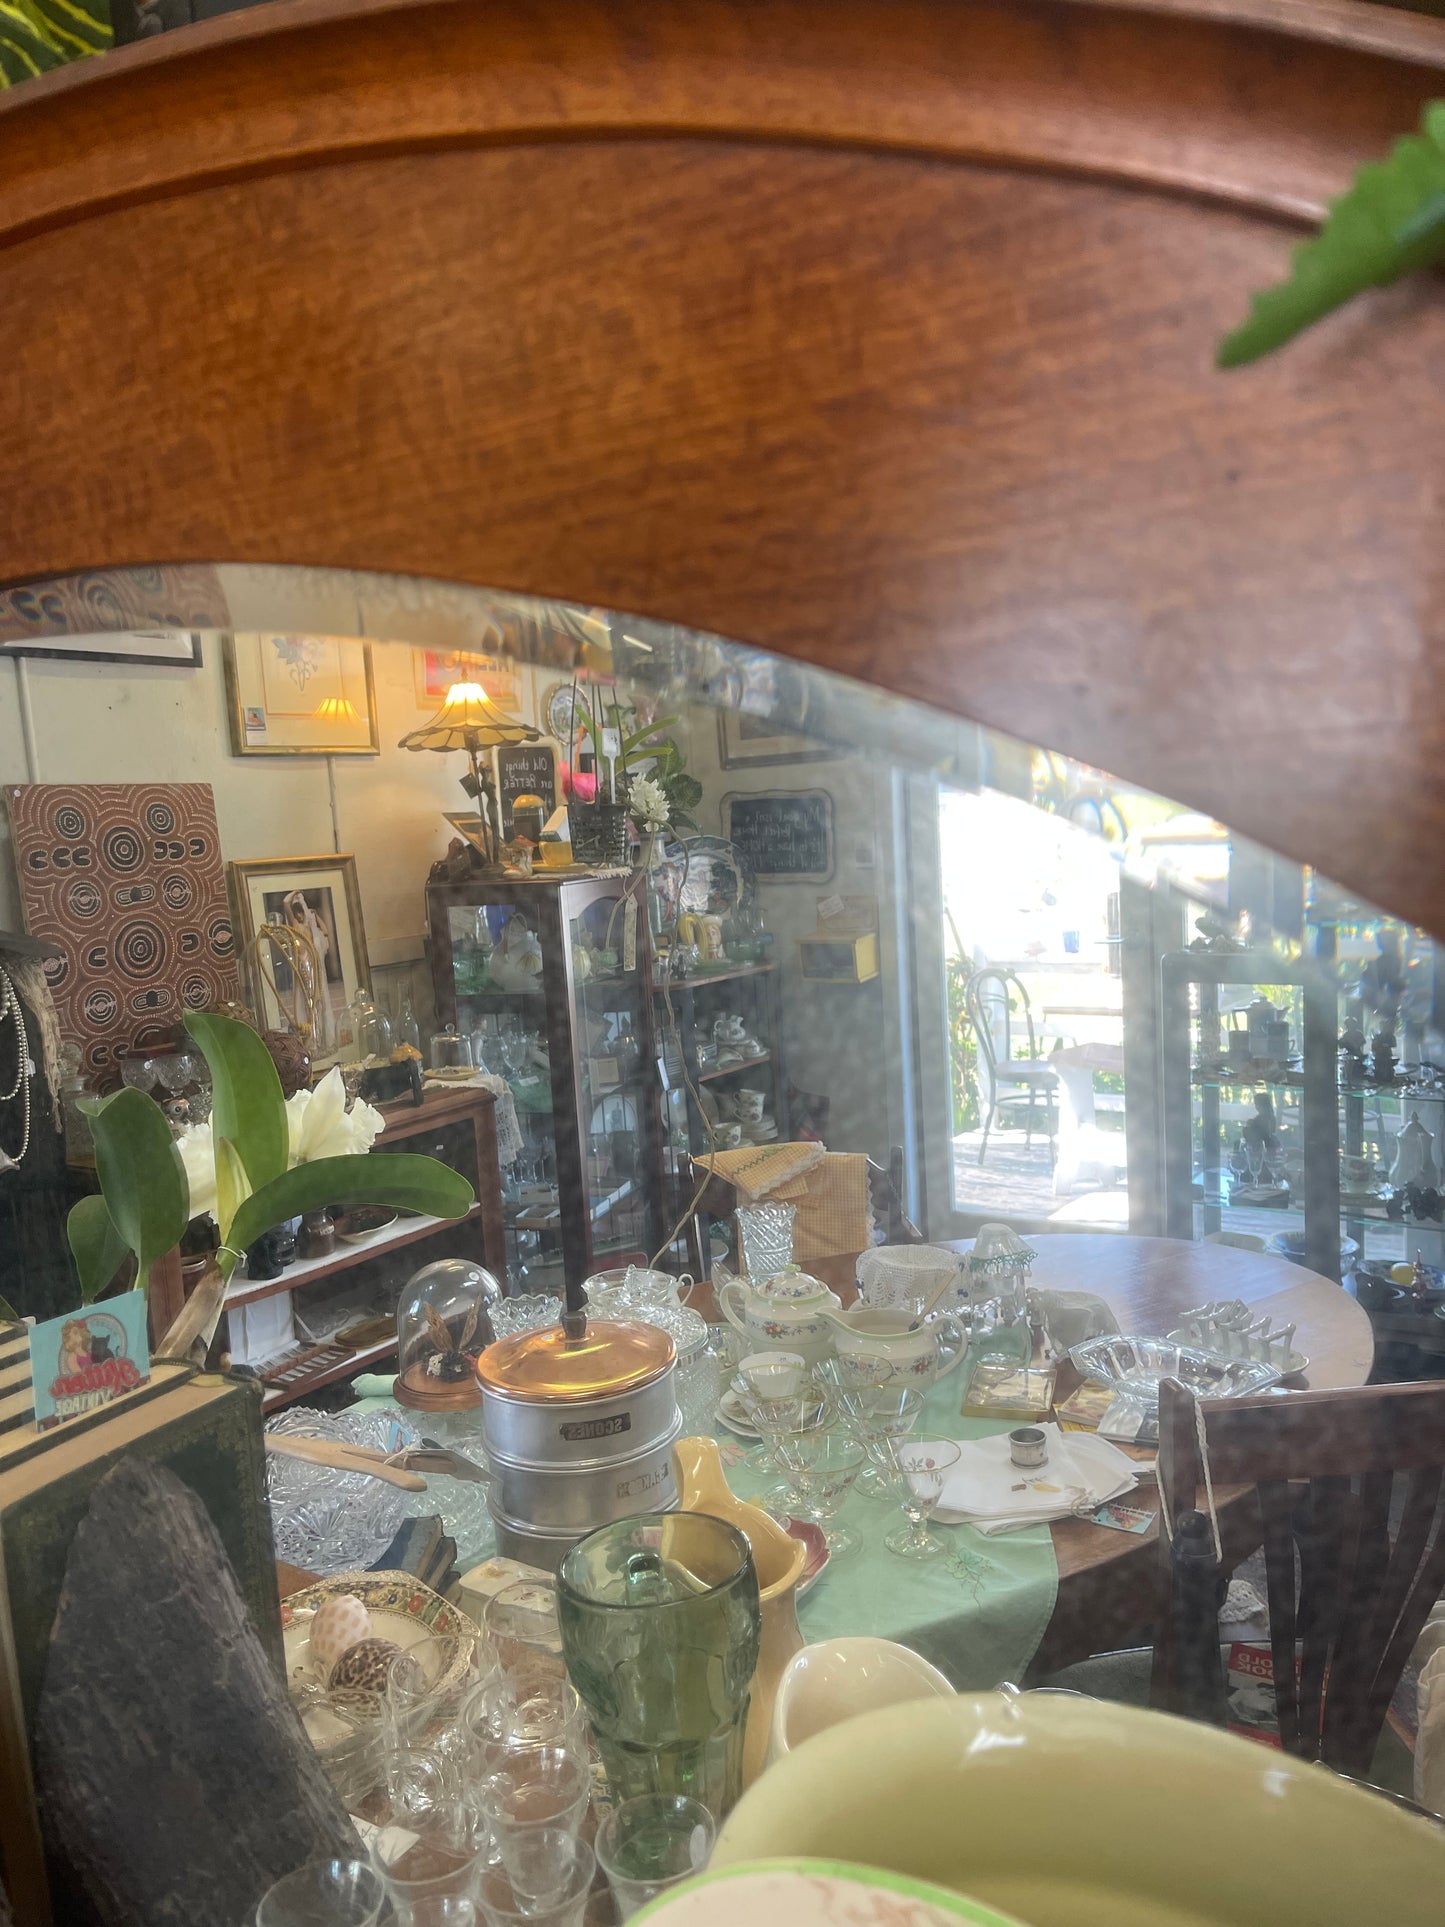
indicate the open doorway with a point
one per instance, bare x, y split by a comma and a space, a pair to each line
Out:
1030, 901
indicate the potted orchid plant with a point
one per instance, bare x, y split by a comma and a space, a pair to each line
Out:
259, 1162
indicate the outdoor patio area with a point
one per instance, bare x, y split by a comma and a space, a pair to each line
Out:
1016, 1180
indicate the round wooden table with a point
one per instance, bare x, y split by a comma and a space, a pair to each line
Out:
1107, 1579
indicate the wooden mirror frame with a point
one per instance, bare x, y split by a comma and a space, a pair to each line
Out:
875, 333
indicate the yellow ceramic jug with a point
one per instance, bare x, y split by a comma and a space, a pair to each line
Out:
779, 1561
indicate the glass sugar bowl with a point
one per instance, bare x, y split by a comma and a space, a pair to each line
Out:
443, 1322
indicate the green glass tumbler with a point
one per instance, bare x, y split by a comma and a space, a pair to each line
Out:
659, 1618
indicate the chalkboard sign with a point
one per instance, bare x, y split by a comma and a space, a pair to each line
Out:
782, 834
525, 769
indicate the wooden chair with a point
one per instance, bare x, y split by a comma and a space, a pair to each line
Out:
885, 1191
1350, 1503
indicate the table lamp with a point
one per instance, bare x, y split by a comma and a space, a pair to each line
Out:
470, 720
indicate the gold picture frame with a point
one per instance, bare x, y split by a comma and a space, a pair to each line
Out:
321, 896
295, 695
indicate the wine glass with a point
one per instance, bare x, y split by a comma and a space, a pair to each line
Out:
820, 1467
883, 1413
141, 1073
790, 1425
920, 1469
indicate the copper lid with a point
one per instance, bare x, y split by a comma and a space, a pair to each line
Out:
614, 1355
418, 1393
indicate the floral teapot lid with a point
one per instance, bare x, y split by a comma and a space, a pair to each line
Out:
791, 1286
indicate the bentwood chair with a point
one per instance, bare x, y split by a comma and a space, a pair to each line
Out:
1352, 1512
993, 998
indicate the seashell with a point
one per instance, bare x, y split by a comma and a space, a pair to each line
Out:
338, 1624
362, 1669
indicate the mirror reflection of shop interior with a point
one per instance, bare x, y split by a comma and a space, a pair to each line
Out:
1010, 986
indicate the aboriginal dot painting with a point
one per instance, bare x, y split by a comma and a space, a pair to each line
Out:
127, 878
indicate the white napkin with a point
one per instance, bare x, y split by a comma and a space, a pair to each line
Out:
1081, 1467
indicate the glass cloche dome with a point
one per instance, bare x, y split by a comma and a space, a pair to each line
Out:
443, 1320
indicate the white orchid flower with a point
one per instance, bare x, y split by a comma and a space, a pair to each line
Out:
320, 1126
647, 800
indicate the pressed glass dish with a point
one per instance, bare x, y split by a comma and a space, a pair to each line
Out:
328, 1521
1135, 1366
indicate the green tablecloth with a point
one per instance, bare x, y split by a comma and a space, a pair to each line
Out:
978, 1613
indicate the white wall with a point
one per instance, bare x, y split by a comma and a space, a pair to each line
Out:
840, 1040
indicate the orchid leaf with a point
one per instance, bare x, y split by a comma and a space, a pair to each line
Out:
398, 1178
96, 1246
246, 1102
142, 1178
1389, 222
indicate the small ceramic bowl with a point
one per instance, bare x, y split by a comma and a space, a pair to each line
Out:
363, 1221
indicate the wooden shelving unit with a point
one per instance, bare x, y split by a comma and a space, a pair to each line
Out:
309, 1271
315, 1366
456, 1124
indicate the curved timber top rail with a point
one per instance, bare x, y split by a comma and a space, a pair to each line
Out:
1264, 102
876, 332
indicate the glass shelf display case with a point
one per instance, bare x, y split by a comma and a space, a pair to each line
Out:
548, 980
719, 1037
1251, 1115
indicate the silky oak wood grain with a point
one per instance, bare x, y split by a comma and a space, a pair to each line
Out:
877, 335
1168, 92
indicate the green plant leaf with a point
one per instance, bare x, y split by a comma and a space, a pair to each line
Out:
96, 1246
246, 1103
141, 1175
1389, 222
399, 1178
8, 1312
647, 732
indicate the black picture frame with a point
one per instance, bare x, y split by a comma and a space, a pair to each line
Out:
113, 646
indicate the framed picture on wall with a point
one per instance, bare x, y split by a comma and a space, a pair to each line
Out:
434, 671
769, 723
168, 648
318, 897
300, 695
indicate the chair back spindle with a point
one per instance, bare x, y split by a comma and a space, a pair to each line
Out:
1352, 1518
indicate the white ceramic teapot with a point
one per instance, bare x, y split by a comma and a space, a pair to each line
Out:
789, 1313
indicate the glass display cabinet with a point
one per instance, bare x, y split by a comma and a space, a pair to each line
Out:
547, 981
1251, 1114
